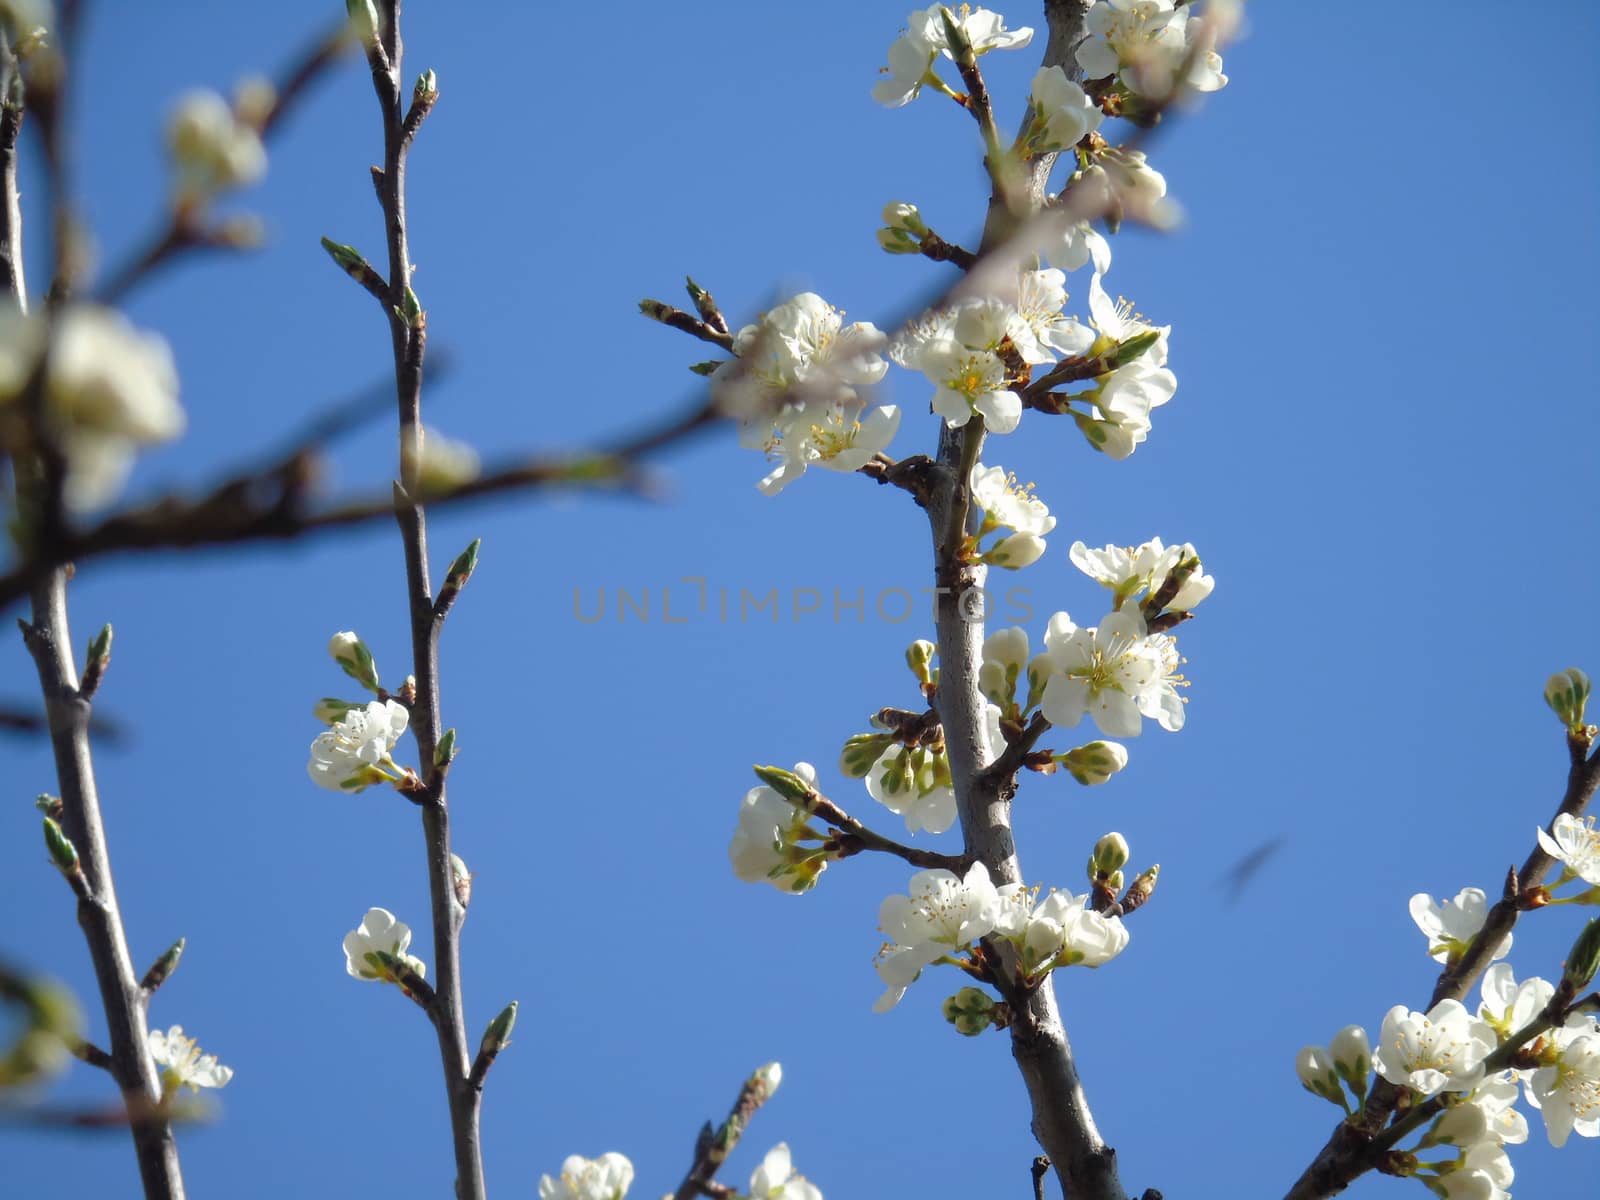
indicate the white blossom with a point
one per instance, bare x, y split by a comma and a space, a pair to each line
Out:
181, 1063
1077, 245
765, 846
1043, 330
1061, 113
1005, 663
110, 390
444, 463
1116, 673
1509, 1006
1566, 1091
1440, 1050
914, 784
605, 1178
1145, 43
834, 438
776, 1178
1062, 930
1573, 842
211, 147
379, 931
1450, 926
355, 753
1007, 504
1130, 570
941, 915
798, 354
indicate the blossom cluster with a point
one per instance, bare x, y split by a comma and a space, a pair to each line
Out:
611, 1175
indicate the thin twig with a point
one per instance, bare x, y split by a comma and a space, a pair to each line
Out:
713, 1146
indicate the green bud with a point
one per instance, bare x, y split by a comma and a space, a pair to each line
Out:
900, 216
971, 1011
410, 311
919, 657
464, 565
351, 653
1144, 884
1095, 762
862, 751
444, 752
898, 241
709, 367
49, 805
347, 258
100, 646
1131, 348
1567, 693
656, 310
62, 852
461, 880
498, 1036
427, 89
1584, 957
788, 785
1110, 854
164, 966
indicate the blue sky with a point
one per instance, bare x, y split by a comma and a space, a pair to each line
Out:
1382, 444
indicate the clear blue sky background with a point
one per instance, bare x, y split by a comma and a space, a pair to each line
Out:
1383, 444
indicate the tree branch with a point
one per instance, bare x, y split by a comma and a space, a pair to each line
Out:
713, 1146
49, 641
408, 337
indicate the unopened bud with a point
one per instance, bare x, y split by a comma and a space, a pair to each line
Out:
862, 751
919, 657
253, 101
49, 805
1317, 1074
351, 653
62, 852
363, 20
1015, 551
1352, 1057
898, 241
656, 310
708, 367
164, 966
100, 647
1584, 957
971, 1011
1143, 886
347, 258
426, 90
767, 1079
498, 1036
1095, 762
409, 310
444, 751
464, 565
1567, 693
1110, 854
788, 785
898, 215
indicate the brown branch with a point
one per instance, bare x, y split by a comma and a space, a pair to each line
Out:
713, 1146
408, 340
854, 838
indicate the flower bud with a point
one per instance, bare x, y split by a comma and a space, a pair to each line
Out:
1095, 762
862, 751
767, 1079
1567, 692
100, 647
351, 653
919, 657
898, 215
1584, 958
896, 241
347, 258
1015, 552
1317, 1074
1110, 854
971, 1011
1463, 1125
363, 20
1144, 885
788, 785
254, 99
426, 90
1352, 1057
49, 805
